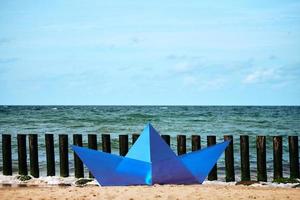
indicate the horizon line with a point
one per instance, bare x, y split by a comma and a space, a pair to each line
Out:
241, 105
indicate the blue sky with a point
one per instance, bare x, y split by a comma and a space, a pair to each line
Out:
150, 52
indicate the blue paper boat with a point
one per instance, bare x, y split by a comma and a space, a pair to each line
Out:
150, 161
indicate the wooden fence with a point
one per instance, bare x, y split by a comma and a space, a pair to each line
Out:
123, 149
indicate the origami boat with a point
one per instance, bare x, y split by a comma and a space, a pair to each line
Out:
150, 161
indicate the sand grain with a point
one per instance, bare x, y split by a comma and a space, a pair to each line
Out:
167, 192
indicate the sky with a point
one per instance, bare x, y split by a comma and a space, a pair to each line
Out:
139, 52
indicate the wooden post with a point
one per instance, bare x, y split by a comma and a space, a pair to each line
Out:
261, 158
196, 142
245, 164
277, 156
92, 144
166, 139
213, 175
92, 141
123, 144
64, 155
181, 144
229, 159
6, 153
50, 156
22, 154
134, 138
294, 156
78, 165
33, 154
106, 147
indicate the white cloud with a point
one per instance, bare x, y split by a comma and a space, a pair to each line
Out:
184, 67
204, 84
261, 75
189, 80
213, 84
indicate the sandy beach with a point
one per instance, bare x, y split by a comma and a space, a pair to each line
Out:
169, 192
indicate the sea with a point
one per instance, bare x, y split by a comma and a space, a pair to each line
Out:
172, 120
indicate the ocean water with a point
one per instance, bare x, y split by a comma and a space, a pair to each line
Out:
172, 120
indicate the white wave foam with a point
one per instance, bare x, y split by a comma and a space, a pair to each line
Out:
276, 185
48, 180
56, 180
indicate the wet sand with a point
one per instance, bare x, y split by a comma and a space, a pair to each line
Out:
169, 192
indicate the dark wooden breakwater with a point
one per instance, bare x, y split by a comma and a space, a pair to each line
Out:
64, 146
